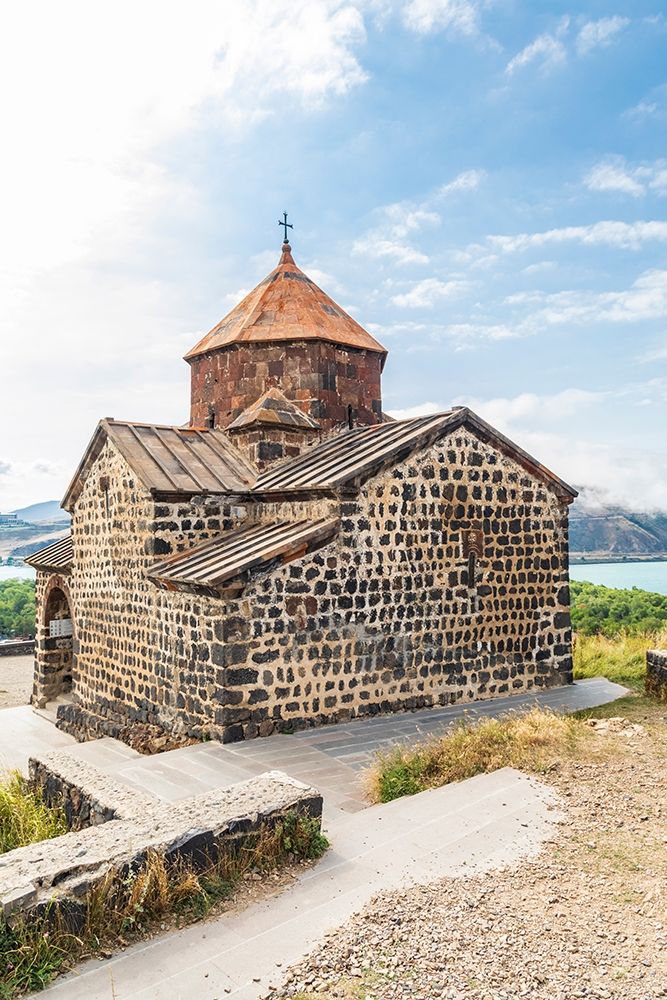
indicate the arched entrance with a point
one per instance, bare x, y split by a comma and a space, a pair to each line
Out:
54, 650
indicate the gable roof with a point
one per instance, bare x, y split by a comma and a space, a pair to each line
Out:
273, 409
180, 461
237, 553
56, 556
286, 305
348, 459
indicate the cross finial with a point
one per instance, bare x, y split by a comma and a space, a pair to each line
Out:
285, 224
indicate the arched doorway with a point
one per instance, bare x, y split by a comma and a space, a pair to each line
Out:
54, 653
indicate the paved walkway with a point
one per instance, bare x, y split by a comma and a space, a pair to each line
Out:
331, 758
23, 733
488, 821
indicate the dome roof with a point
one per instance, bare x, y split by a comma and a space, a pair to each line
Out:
286, 306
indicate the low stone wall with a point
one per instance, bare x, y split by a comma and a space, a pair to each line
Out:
126, 824
23, 648
656, 673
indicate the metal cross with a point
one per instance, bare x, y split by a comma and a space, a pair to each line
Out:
285, 224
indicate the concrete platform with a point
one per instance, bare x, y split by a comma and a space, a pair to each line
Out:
486, 822
23, 733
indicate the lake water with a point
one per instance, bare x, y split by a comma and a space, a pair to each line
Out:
645, 575
17, 572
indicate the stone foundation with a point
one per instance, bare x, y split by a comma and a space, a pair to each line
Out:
126, 824
656, 673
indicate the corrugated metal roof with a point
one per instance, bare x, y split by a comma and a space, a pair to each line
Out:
58, 555
347, 459
348, 455
170, 460
286, 305
237, 552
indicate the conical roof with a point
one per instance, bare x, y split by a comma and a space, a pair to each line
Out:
286, 306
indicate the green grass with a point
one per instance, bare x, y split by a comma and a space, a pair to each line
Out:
24, 818
122, 909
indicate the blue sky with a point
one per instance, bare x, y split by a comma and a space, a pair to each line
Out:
482, 184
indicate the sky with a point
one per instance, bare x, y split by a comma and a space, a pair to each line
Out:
481, 183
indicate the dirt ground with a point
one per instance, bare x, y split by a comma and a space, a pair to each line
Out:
586, 918
15, 680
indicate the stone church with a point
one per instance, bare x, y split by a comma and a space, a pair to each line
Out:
292, 556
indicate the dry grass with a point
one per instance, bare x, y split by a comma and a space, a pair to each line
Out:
127, 906
24, 818
531, 742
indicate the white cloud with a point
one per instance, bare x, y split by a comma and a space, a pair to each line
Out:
597, 34
469, 180
404, 219
400, 253
550, 49
612, 176
547, 50
428, 292
626, 235
5, 468
460, 17
615, 174
646, 299
635, 478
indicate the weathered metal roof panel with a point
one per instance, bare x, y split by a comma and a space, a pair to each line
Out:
237, 552
170, 460
56, 556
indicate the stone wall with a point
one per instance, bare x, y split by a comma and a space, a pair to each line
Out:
264, 446
656, 673
387, 617
21, 647
129, 825
323, 379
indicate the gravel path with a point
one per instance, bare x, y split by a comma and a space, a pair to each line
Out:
15, 680
588, 918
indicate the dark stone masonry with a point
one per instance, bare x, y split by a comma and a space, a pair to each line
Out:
656, 673
388, 566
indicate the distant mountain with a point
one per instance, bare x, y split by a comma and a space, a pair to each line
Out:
612, 532
40, 513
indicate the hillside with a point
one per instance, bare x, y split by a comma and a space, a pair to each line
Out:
610, 532
48, 511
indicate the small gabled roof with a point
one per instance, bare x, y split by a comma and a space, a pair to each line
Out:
56, 556
169, 461
348, 459
286, 306
274, 409
238, 553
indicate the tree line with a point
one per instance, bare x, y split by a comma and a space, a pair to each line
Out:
17, 609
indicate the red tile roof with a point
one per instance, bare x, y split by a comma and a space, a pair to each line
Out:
286, 306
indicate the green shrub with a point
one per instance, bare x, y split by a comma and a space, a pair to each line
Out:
598, 610
17, 608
